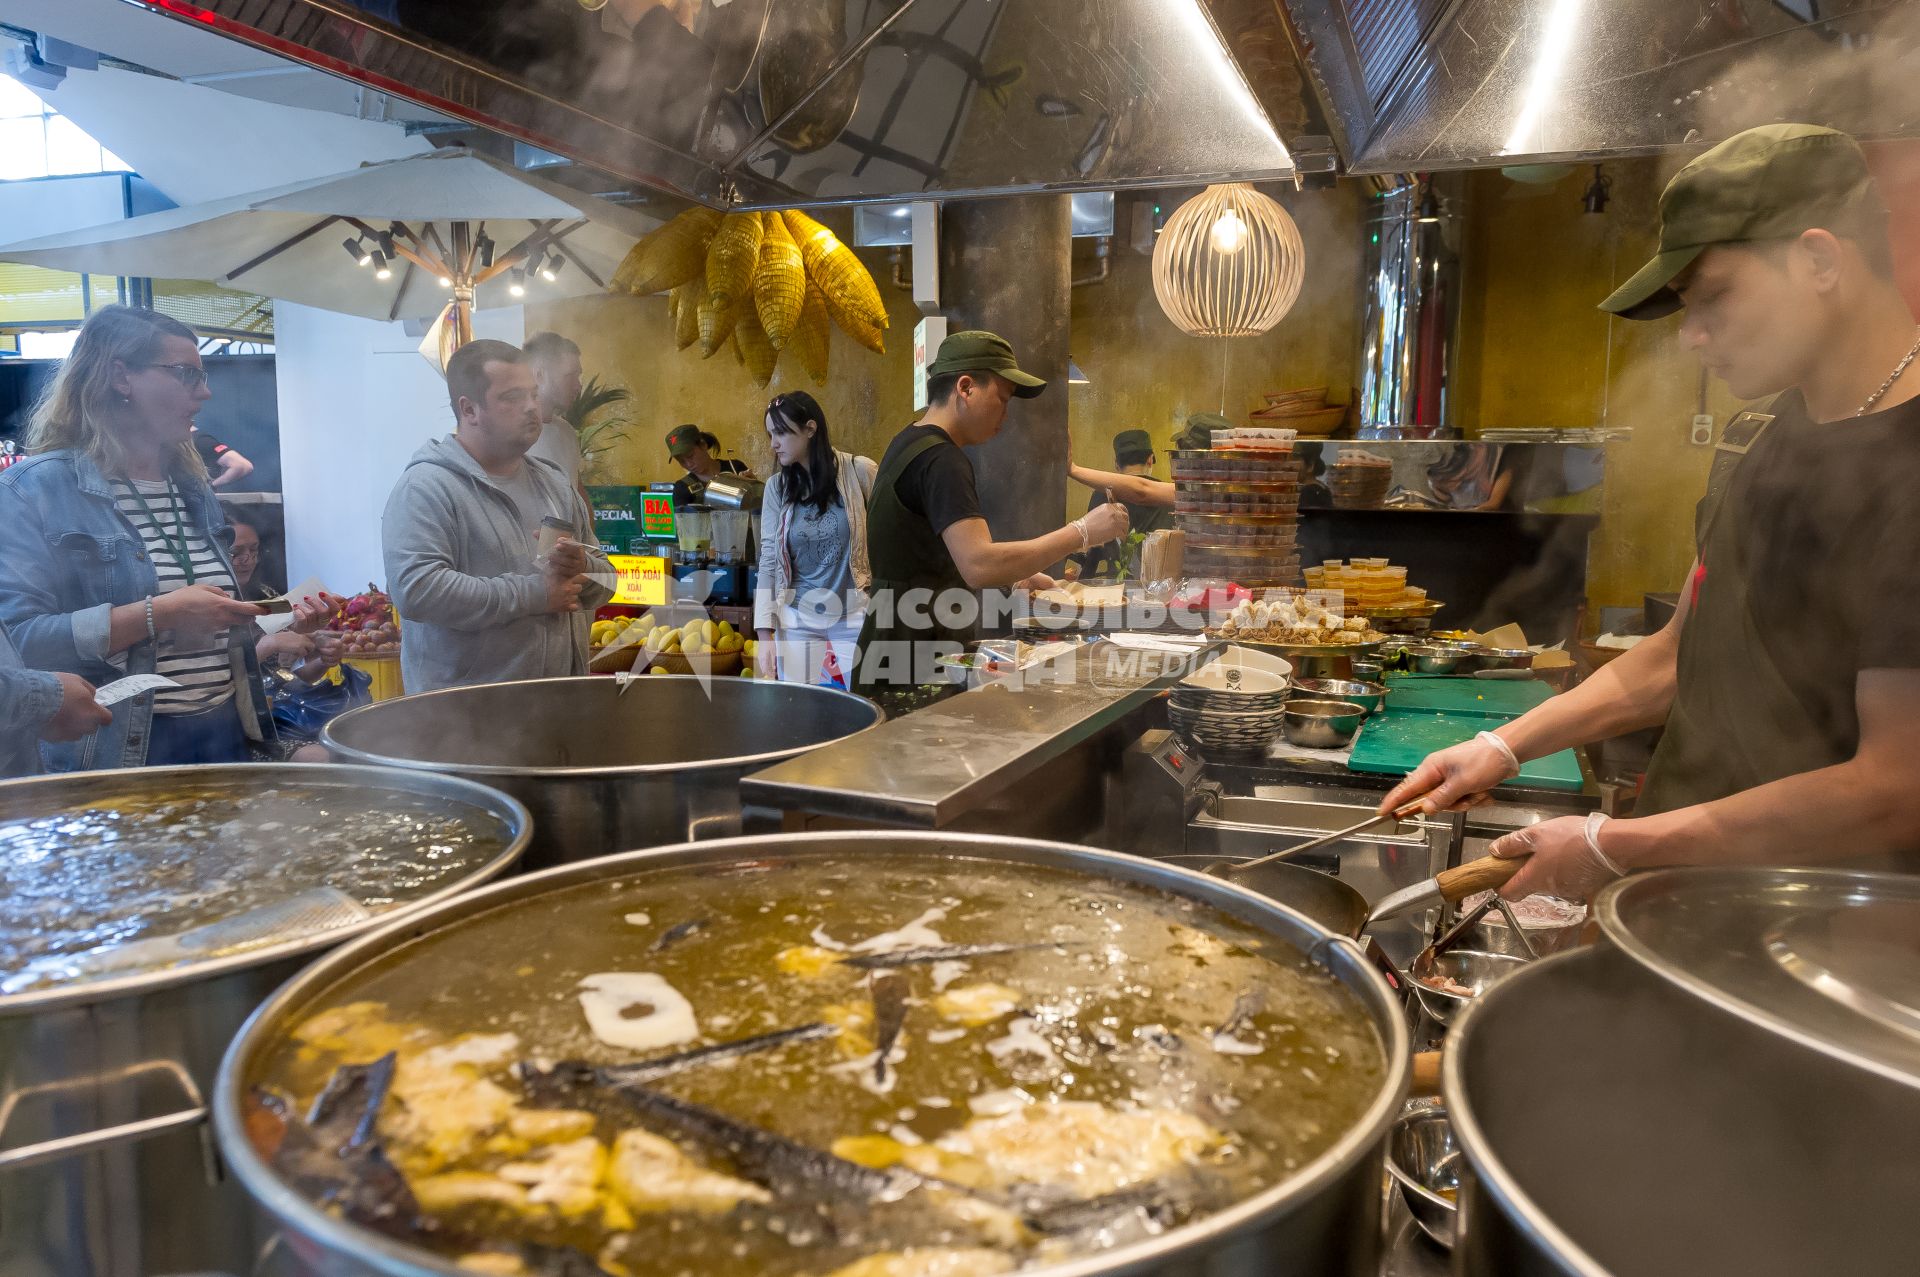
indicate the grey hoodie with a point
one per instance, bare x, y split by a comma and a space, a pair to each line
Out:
459, 559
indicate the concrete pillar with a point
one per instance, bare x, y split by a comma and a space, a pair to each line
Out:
1006, 265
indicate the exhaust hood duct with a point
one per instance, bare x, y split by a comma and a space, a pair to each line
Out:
1420, 85
1410, 314
775, 103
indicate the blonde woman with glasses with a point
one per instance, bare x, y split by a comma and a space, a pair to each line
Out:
114, 552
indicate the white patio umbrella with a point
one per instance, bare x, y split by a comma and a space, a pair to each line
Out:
429, 235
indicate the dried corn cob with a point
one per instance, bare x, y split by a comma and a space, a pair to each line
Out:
731, 259
813, 335
669, 256
715, 323
850, 291
686, 301
779, 282
755, 351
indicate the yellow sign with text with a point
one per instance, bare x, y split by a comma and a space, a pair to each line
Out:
639, 580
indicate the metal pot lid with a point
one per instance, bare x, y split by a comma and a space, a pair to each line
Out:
1826, 957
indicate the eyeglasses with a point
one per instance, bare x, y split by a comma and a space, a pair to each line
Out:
246, 551
192, 376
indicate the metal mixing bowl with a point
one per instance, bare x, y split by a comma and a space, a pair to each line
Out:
1321, 724
1505, 658
1368, 696
1436, 658
1425, 1163
1368, 671
1471, 967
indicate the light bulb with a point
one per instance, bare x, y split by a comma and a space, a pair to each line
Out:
1229, 233
517, 284
446, 282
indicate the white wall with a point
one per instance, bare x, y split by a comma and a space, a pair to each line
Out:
356, 401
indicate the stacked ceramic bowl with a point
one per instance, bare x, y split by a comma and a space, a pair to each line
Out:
1229, 710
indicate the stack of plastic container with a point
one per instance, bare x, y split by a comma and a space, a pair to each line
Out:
1238, 506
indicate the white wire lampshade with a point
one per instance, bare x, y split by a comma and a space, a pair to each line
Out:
1228, 263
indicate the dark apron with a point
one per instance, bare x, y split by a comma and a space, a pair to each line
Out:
905, 554
1737, 721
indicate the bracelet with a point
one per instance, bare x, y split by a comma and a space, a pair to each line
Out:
1080, 526
1591, 829
1506, 751
153, 636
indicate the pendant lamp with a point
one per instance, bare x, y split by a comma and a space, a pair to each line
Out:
1228, 263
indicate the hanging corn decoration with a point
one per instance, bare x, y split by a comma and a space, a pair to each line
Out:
685, 301
715, 324
779, 281
669, 256
863, 332
750, 339
731, 260
812, 336
852, 297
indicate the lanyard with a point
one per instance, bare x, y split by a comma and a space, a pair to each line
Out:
179, 551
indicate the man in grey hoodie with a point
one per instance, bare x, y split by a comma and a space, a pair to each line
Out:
460, 534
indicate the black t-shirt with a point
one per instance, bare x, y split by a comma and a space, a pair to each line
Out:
938, 484
209, 449
1830, 513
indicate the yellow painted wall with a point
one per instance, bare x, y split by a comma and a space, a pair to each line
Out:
1535, 351
1143, 373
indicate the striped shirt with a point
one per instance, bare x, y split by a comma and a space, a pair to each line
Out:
162, 518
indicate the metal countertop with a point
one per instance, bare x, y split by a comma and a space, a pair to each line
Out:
930, 767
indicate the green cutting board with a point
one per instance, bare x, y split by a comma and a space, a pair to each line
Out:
1396, 740
1511, 697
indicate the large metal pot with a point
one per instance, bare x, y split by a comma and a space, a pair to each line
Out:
1323, 1220
1621, 1124
603, 769
107, 1167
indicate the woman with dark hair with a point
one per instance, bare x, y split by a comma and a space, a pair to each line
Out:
113, 551
812, 597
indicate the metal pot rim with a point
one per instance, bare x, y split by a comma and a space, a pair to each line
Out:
742, 761
1490, 1173
508, 809
1342, 957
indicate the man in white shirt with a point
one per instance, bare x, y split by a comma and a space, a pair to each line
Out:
556, 369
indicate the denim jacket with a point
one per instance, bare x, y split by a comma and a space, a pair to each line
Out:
67, 559
28, 698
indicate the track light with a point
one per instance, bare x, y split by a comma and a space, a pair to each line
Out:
358, 251
386, 242
551, 270
1599, 191
517, 282
1429, 210
381, 270
484, 246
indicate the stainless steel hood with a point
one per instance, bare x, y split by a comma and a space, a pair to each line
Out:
783, 102
1419, 85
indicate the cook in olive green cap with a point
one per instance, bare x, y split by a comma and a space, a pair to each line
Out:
1767, 183
681, 440
1199, 431
1132, 448
977, 351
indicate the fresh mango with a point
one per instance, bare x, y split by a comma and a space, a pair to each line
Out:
751, 648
